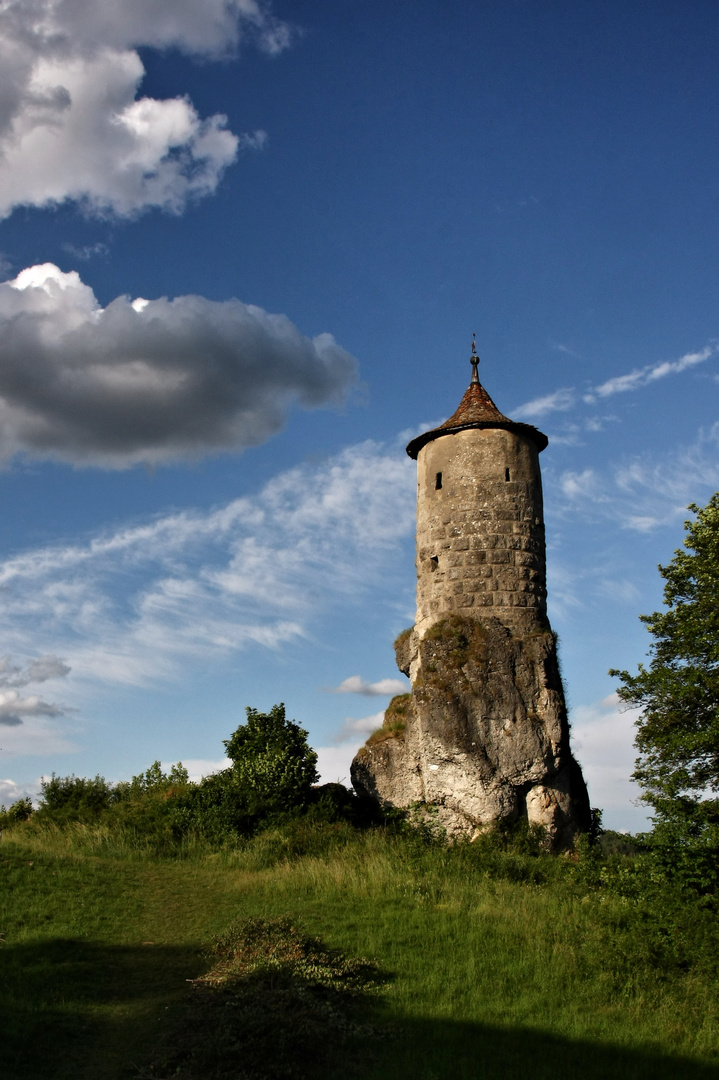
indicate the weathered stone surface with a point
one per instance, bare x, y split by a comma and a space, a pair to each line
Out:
480, 533
485, 735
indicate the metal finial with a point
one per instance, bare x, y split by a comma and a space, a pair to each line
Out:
474, 360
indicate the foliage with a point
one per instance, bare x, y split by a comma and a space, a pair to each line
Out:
21, 810
277, 1003
678, 693
272, 774
216, 809
272, 763
74, 798
152, 781
395, 720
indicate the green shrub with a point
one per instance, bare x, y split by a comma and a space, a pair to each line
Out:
18, 811
74, 798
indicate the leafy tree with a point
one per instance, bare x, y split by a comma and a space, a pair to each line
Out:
272, 763
678, 729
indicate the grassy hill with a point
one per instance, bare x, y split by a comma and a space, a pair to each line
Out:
490, 960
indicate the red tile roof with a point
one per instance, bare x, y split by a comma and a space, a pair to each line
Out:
477, 410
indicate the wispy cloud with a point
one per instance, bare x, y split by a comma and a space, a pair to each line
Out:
131, 606
559, 401
644, 492
355, 684
567, 397
87, 251
649, 374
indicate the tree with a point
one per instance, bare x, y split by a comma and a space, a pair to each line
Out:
678, 693
272, 763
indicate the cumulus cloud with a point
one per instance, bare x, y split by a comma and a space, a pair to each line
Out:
15, 709
71, 123
149, 380
39, 670
355, 684
333, 762
10, 792
139, 604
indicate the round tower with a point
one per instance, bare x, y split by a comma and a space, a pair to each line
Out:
480, 521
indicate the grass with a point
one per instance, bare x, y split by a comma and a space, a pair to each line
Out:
493, 964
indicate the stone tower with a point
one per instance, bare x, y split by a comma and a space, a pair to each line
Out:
483, 736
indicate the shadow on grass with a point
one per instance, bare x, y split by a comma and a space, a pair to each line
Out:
71, 1009
445, 1050
75, 1010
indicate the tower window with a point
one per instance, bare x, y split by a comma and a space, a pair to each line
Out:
434, 561
438, 481
507, 477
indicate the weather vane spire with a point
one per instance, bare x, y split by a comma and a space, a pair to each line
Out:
474, 360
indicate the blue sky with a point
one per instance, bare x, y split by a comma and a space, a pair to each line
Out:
244, 251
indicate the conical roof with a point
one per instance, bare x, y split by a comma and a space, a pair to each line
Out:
477, 410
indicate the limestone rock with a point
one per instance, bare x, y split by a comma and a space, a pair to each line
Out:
483, 736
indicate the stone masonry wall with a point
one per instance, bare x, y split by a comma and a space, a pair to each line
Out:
480, 530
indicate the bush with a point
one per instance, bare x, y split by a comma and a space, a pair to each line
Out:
74, 798
17, 812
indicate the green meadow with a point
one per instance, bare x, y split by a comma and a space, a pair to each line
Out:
339, 951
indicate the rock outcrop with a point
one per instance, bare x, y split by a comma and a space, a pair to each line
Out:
482, 737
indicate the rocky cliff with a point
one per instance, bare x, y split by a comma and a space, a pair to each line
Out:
482, 737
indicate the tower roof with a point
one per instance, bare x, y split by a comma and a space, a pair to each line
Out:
477, 410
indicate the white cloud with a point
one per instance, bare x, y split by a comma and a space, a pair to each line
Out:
559, 401
38, 670
140, 604
649, 373
333, 762
149, 380
37, 735
355, 684
642, 493
71, 124
603, 741
198, 768
566, 398
15, 710
10, 792
363, 726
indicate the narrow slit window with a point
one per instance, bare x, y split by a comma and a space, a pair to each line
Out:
434, 561
438, 481
507, 476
